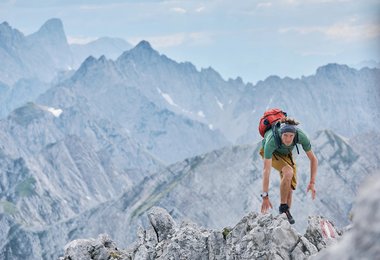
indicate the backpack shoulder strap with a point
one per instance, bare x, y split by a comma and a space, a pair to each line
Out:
276, 136
295, 141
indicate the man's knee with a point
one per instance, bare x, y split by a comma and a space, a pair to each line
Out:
287, 172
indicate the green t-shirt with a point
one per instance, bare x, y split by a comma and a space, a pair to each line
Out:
269, 144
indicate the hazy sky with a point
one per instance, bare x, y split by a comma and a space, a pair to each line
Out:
251, 39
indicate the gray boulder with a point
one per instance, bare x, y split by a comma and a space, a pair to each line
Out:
162, 223
91, 249
362, 240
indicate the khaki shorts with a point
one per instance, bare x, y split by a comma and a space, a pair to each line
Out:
279, 161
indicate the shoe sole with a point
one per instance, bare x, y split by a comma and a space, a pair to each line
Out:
291, 220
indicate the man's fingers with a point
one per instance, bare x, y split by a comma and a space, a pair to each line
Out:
263, 210
313, 192
265, 206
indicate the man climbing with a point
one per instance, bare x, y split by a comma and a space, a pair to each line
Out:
276, 151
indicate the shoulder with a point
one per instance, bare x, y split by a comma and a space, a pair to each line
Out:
269, 142
301, 134
269, 145
304, 140
269, 137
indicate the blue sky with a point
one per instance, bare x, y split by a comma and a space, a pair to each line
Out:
250, 39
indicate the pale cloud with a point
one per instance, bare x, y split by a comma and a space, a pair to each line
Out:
161, 41
290, 2
301, 30
178, 10
264, 5
344, 31
303, 2
200, 38
317, 53
172, 40
330, 1
91, 7
80, 40
104, 6
352, 32
200, 9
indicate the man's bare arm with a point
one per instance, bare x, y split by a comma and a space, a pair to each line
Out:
266, 204
313, 172
266, 174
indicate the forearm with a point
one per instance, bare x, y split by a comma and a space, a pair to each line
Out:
266, 174
313, 170
313, 166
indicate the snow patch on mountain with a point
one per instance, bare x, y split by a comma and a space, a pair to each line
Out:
54, 111
201, 114
220, 104
167, 97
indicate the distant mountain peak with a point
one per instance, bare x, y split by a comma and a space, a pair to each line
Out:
92, 66
5, 28
144, 45
330, 135
327, 139
273, 79
51, 31
52, 25
26, 114
142, 52
211, 73
333, 68
88, 63
110, 41
8, 34
5, 25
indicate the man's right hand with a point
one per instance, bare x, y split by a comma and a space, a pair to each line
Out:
266, 205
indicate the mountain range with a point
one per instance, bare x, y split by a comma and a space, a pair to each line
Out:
105, 142
225, 182
30, 64
162, 102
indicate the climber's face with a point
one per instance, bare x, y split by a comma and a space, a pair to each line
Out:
287, 138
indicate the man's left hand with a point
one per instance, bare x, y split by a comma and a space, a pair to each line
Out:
311, 188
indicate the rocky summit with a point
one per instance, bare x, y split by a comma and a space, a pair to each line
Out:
255, 236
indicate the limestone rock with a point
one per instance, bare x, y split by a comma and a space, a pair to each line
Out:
255, 236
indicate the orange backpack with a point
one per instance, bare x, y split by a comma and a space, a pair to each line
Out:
270, 117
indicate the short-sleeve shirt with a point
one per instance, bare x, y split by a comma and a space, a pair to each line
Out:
269, 144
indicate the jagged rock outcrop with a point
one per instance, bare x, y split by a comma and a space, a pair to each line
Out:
256, 236
362, 241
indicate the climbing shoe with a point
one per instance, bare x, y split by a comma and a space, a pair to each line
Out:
284, 208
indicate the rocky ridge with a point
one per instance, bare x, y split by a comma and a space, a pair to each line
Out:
255, 236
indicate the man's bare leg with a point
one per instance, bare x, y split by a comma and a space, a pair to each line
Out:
290, 195
285, 185
286, 192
